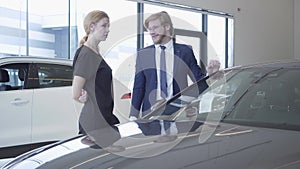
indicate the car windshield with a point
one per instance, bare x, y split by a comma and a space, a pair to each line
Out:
260, 97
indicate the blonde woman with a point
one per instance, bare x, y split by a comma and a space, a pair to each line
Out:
92, 83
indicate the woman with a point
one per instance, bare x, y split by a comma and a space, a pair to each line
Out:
92, 83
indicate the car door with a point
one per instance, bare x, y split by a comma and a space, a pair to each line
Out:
15, 105
54, 116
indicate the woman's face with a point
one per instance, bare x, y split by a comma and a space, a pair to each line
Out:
100, 30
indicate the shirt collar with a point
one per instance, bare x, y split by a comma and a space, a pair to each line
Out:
168, 45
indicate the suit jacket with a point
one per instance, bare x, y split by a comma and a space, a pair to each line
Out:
145, 81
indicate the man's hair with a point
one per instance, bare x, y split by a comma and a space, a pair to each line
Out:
164, 19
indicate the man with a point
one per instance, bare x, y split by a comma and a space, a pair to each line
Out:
156, 80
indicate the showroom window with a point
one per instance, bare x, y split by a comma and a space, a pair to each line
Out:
48, 28
121, 40
12, 28
209, 33
121, 43
31, 27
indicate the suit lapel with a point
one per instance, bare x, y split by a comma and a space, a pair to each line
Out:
148, 58
177, 56
152, 53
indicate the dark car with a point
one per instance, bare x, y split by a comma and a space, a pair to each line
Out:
248, 118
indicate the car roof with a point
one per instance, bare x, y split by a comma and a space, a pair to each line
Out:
273, 64
32, 59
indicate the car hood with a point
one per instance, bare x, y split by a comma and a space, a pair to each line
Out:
210, 146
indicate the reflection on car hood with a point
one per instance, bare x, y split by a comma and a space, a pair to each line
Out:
230, 146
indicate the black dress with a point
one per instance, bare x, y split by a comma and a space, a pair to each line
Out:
96, 118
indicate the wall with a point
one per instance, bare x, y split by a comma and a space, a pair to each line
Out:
297, 29
264, 29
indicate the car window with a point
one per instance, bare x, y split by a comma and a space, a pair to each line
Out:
13, 76
54, 75
268, 97
275, 99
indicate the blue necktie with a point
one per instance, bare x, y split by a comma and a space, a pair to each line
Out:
163, 75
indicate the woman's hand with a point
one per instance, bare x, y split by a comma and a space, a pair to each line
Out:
79, 94
83, 96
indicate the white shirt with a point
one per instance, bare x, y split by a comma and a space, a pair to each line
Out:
169, 51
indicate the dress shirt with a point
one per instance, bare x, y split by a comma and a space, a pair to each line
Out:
169, 51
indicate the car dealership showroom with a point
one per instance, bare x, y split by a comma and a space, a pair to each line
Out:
77, 89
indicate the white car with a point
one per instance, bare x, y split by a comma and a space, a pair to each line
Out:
36, 103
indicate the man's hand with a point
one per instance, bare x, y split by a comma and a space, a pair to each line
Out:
213, 66
132, 118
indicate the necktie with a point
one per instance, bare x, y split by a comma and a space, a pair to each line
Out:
163, 75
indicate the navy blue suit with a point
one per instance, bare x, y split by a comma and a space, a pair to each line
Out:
145, 82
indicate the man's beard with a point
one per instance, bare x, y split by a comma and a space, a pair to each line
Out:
160, 39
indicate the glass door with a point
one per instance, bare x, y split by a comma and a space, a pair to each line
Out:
197, 40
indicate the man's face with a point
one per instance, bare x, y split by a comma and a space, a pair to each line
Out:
159, 33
